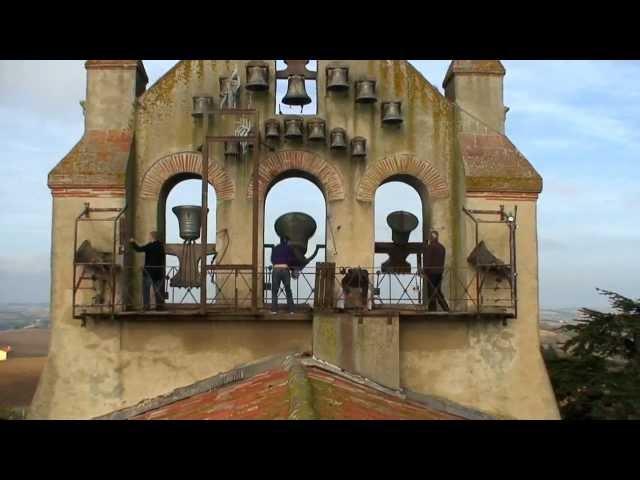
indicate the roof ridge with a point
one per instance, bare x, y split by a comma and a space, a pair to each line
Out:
351, 376
300, 391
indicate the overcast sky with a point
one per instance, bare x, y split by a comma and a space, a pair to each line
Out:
578, 122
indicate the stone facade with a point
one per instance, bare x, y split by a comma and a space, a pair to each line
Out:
139, 143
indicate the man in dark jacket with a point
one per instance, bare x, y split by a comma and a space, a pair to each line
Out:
154, 269
434, 269
282, 258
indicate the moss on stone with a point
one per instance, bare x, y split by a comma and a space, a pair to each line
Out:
504, 184
300, 392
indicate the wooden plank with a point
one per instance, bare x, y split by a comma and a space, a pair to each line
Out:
324, 288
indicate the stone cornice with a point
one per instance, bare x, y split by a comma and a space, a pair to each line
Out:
93, 191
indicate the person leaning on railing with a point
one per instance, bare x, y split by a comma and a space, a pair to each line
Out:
154, 266
434, 269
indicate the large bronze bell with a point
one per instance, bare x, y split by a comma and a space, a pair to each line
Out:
202, 105
338, 139
297, 228
272, 128
317, 131
337, 79
293, 128
401, 224
189, 221
257, 77
296, 92
391, 112
358, 147
366, 91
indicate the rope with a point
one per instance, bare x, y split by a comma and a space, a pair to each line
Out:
333, 238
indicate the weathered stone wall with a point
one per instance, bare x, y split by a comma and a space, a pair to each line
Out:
484, 364
81, 371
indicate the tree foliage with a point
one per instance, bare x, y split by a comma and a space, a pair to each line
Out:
600, 377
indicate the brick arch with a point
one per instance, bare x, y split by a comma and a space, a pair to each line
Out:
278, 163
185, 162
401, 164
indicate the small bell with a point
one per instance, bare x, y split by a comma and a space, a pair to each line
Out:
296, 92
316, 129
231, 149
366, 91
358, 147
202, 105
337, 79
272, 128
293, 128
338, 139
391, 112
257, 77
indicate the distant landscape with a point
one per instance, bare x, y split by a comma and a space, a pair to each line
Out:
15, 316
24, 327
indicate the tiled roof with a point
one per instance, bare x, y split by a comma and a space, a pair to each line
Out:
98, 159
493, 163
263, 397
291, 387
337, 398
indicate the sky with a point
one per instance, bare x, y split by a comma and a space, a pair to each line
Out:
578, 123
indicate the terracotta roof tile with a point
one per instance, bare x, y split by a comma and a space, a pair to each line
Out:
264, 396
493, 164
99, 158
342, 399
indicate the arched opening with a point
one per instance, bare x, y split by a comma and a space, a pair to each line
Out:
401, 200
183, 286
294, 191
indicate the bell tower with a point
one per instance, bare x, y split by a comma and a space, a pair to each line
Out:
444, 326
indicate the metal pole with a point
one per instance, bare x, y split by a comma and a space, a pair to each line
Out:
113, 261
514, 260
205, 211
75, 249
254, 232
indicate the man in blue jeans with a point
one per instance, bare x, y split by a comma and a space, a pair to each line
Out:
282, 258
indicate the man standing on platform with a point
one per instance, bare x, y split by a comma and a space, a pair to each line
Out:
154, 269
282, 259
434, 269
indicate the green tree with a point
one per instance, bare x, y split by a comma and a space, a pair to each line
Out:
600, 377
